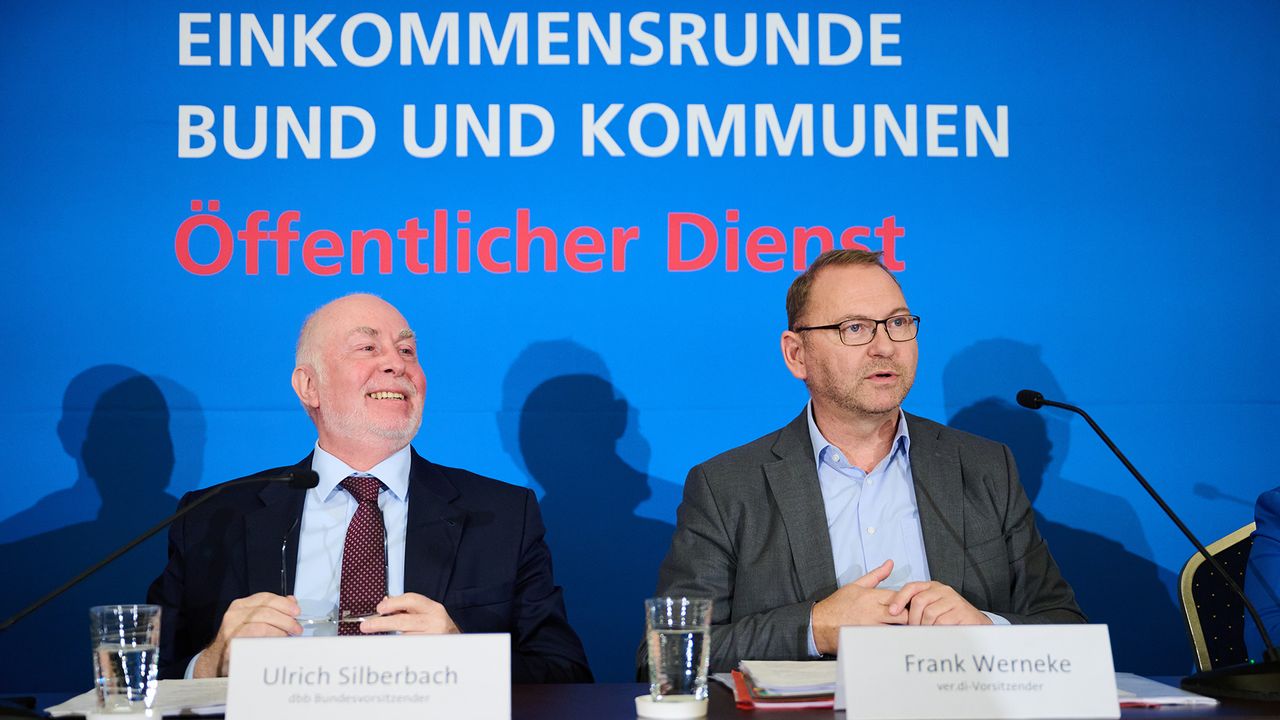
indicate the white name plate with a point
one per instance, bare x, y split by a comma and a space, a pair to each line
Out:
961, 673
390, 677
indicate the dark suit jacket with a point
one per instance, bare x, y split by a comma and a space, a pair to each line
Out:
473, 544
752, 535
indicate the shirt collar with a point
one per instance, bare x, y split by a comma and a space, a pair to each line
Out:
393, 472
901, 438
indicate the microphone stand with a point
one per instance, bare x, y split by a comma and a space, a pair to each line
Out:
1257, 681
303, 479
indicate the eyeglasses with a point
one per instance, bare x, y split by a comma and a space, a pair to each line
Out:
861, 331
334, 617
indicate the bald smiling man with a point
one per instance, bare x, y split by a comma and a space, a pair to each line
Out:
409, 546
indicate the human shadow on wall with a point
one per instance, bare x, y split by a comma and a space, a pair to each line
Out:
1114, 584
570, 432
79, 502
126, 452
83, 499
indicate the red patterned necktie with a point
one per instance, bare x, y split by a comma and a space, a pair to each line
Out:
364, 560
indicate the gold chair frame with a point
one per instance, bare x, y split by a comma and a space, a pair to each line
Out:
1185, 592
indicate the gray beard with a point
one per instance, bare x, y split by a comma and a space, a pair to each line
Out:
355, 425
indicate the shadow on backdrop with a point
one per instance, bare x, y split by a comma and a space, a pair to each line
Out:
570, 438
79, 502
1211, 492
116, 424
1114, 581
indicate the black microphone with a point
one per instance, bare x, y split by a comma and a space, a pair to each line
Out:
1030, 399
1258, 681
297, 479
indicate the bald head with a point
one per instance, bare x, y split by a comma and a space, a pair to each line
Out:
321, 321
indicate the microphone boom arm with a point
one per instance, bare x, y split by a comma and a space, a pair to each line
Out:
1034, 401
294, 478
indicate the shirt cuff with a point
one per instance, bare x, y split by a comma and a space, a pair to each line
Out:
813, 646
995, 619
191, 667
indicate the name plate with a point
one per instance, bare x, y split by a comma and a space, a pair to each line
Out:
390, 677
954, 673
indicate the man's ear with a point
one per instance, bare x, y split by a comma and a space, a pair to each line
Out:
306, 386
793, 354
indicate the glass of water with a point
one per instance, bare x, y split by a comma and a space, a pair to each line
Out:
126, 662
678, 633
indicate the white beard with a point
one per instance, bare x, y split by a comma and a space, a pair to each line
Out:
356, 425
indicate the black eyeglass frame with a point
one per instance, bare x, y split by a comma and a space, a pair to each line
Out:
875, 326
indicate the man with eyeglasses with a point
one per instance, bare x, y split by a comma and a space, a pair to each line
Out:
388, 542
857, 513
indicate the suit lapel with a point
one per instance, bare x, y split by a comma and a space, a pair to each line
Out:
793, 480
434, 530
265, 532
935, 469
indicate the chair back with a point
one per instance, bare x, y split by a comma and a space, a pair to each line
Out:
1215, 614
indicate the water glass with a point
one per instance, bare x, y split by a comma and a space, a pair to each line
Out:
678, 633
126, 661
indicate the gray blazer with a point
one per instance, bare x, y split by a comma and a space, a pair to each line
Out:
751, 534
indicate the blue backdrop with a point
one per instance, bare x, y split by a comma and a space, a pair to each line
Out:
1110, 243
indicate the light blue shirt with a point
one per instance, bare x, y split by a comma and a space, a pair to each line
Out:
326, 512
325, 515
872, 516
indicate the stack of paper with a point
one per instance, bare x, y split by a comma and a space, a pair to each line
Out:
173, 697
777, 684
1138, 691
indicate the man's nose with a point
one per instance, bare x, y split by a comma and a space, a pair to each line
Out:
394, 363
881, 345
